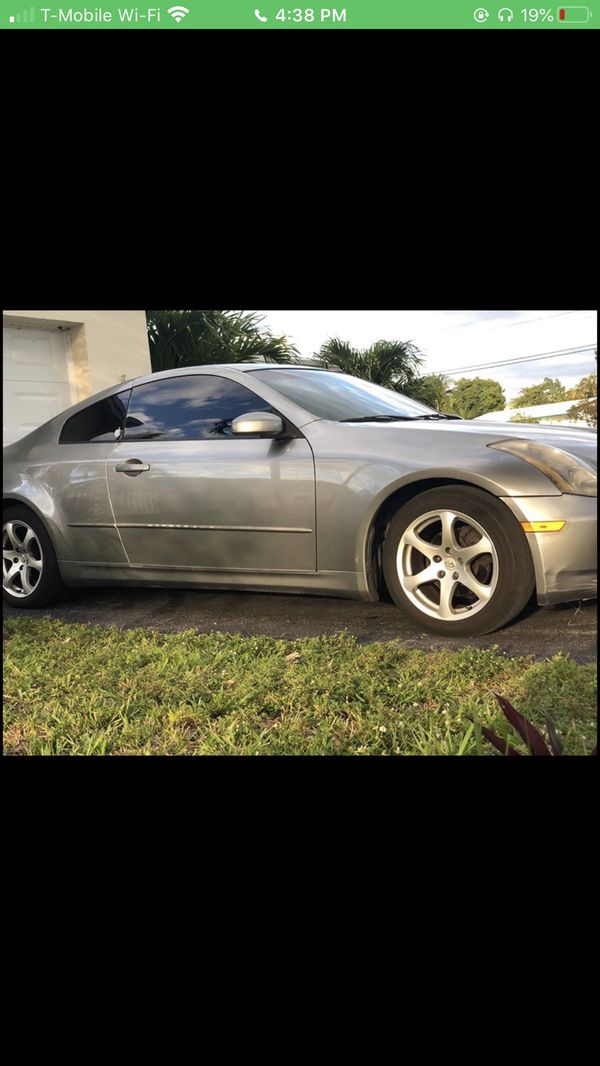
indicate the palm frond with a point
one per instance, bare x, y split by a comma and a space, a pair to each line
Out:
393, 364
196, 338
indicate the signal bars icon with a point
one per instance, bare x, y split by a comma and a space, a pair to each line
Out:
23, 16
178, 12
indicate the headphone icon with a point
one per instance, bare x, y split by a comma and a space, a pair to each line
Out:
505, 13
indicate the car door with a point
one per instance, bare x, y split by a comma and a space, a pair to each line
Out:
77, 482
187, 494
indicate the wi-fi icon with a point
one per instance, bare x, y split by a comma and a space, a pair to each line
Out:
178, 12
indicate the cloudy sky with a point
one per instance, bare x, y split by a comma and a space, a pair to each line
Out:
453, 339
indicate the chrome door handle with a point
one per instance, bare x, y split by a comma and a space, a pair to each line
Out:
132, 466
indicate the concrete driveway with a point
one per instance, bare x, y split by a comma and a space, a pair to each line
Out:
541, 632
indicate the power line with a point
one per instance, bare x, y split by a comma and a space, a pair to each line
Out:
523, 359
543, 318
511, 325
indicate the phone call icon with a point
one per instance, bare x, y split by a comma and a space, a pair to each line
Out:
261, 18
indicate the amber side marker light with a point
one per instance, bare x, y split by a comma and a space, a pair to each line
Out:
543, 527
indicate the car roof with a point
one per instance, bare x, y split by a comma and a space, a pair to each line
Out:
210, 368
271, 366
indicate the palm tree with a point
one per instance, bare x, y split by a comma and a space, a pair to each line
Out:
194, 338
434, 391
393, 364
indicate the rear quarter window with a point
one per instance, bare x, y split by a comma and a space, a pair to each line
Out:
97, 423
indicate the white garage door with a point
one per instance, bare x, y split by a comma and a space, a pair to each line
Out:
36, 385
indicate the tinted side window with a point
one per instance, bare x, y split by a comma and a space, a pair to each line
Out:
97, 423
199, 407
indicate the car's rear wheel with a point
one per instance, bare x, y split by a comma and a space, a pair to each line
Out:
456, 560
30, 574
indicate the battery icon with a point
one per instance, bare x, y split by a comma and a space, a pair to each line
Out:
573, 14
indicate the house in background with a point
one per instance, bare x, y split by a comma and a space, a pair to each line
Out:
553, 414
53, 359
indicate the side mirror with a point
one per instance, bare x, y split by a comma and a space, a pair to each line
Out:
263, 422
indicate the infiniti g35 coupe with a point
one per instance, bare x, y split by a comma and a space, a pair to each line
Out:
296, 479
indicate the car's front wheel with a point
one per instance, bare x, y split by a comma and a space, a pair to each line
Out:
456, 560
30, 575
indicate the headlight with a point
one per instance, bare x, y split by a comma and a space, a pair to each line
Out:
568, 473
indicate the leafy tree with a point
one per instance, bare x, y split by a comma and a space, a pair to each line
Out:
432, 390
585, 389
550, 390
393, 364
587, 408
523, 418
196, 338
472, 397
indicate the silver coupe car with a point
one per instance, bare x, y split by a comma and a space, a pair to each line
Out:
297, 479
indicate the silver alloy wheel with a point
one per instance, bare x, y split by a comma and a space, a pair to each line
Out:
447, 565
22, 559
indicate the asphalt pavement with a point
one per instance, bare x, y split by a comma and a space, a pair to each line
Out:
542, 632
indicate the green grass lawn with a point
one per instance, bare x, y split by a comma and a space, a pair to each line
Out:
73, 690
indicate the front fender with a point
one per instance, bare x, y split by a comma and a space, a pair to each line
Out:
358, 469
426, 477
349, 496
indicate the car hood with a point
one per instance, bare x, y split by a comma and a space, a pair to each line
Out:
581, 443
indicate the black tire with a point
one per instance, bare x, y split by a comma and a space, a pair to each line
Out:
514, 581
49, 586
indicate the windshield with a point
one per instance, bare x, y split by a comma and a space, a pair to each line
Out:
338, 396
